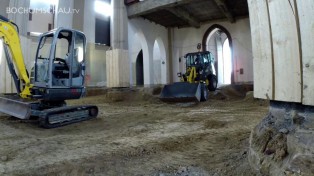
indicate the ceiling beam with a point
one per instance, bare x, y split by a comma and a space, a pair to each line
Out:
185, 16
225, 10
149, 6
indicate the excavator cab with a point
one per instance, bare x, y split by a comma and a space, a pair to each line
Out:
59, 65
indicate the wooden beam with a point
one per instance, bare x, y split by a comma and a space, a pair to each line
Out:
185, 16
149, 6
225, 10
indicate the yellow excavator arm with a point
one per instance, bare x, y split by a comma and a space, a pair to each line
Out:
9, 35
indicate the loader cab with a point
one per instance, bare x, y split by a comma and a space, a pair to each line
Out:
204, 60
60, 65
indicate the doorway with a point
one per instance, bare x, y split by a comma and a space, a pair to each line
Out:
218, 41
139, 69
226, 62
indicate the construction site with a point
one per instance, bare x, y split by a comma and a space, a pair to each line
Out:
161, 88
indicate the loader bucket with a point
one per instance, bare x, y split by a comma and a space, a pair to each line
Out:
181, 92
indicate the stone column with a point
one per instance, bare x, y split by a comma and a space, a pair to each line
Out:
119, 26
78, 18
119, 44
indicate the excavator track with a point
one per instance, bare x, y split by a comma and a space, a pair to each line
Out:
57, 117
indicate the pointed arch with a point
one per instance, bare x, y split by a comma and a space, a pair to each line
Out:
206, 37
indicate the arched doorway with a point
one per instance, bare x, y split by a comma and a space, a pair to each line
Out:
226, 62
218, 41
139, 69
141, 58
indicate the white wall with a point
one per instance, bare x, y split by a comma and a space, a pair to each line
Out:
157, 63
142, 35
212, 45
186, 40
40, 22
3, 7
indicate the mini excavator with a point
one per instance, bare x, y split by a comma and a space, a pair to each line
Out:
58, 75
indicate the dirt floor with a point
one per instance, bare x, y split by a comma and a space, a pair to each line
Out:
136, 134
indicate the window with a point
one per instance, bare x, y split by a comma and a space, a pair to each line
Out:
78, 54
42, 63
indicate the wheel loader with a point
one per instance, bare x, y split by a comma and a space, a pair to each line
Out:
58, 75
198, 79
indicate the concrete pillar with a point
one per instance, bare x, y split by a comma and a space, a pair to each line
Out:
64, 14
119, 26
21, 19
119, 40
89, 21
78, 22
171, 55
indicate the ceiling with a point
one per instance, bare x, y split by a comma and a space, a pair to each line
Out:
187, 13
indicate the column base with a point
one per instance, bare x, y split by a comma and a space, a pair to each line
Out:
283, 142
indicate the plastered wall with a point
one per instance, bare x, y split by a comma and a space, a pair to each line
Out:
142, 36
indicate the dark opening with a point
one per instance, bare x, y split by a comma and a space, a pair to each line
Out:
102, 28
139, 69
30, 15
102, 31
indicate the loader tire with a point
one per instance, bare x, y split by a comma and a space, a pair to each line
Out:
204, 93
212, 80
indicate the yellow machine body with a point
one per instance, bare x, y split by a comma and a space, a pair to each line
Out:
11, 39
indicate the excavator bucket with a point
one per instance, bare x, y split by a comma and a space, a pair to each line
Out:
181, 92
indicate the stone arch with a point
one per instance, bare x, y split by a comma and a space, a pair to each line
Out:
207, 36
140, 44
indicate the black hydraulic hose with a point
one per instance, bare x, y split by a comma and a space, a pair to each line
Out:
17, 28
4, 18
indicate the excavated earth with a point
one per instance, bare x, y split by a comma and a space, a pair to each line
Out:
137, 134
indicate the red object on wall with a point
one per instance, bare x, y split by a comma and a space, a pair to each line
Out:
129, 2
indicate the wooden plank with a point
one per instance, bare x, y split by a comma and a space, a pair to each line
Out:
262, 49
2, 69
306, 13
285, 51
8, 80
108, 67
117, 68
121, 67
115, 64
126, 70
